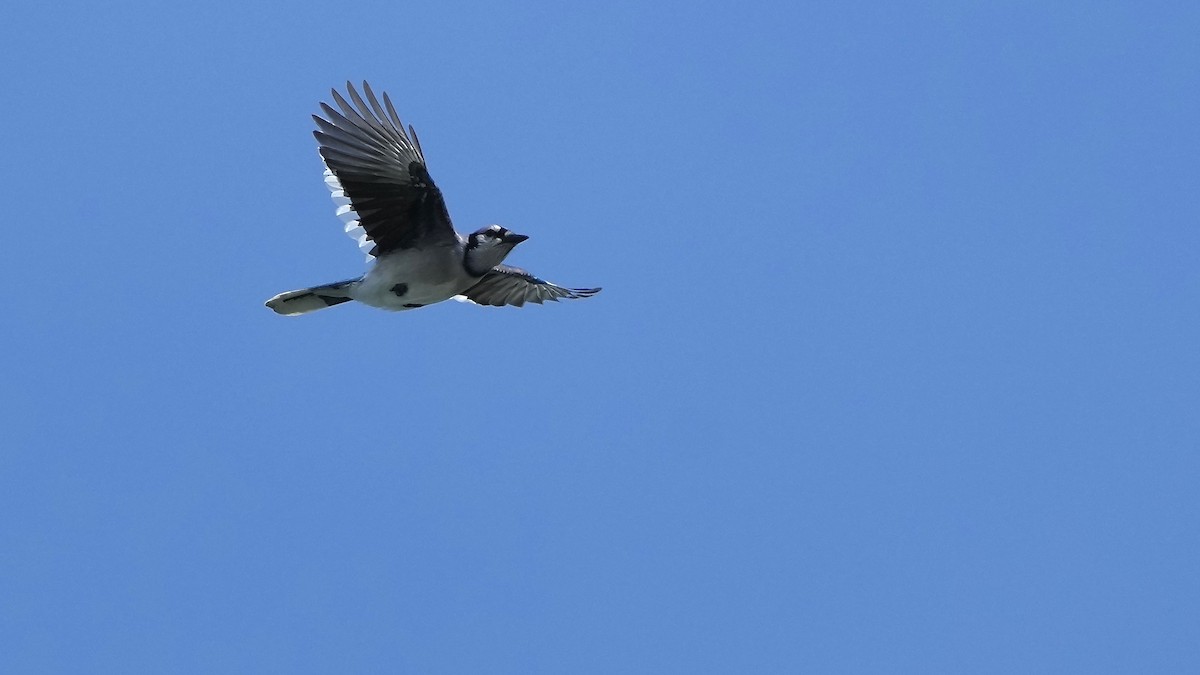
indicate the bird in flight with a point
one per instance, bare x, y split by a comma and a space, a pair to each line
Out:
388, 201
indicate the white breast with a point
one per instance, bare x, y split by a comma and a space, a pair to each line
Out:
425, 276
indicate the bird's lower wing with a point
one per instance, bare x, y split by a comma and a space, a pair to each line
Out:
505, 285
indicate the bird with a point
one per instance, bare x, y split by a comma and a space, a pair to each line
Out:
383, 192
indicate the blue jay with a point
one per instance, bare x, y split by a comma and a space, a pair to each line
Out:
389, 203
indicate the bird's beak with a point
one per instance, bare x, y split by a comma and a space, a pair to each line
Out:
514, 238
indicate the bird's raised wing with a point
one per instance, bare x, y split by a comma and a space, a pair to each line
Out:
378, 177
505, 285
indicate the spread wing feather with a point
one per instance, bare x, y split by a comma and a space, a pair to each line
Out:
507, 285
378, 177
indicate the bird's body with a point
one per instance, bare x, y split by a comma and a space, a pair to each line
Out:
414, 278
384, 193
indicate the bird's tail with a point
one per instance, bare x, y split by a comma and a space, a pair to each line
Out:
308, 300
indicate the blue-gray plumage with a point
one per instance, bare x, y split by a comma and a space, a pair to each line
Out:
390, 204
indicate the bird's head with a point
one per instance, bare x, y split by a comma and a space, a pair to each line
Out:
488, 247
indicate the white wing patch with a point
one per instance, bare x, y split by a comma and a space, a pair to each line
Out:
345, 211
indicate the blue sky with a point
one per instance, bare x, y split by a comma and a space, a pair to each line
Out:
895, 368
